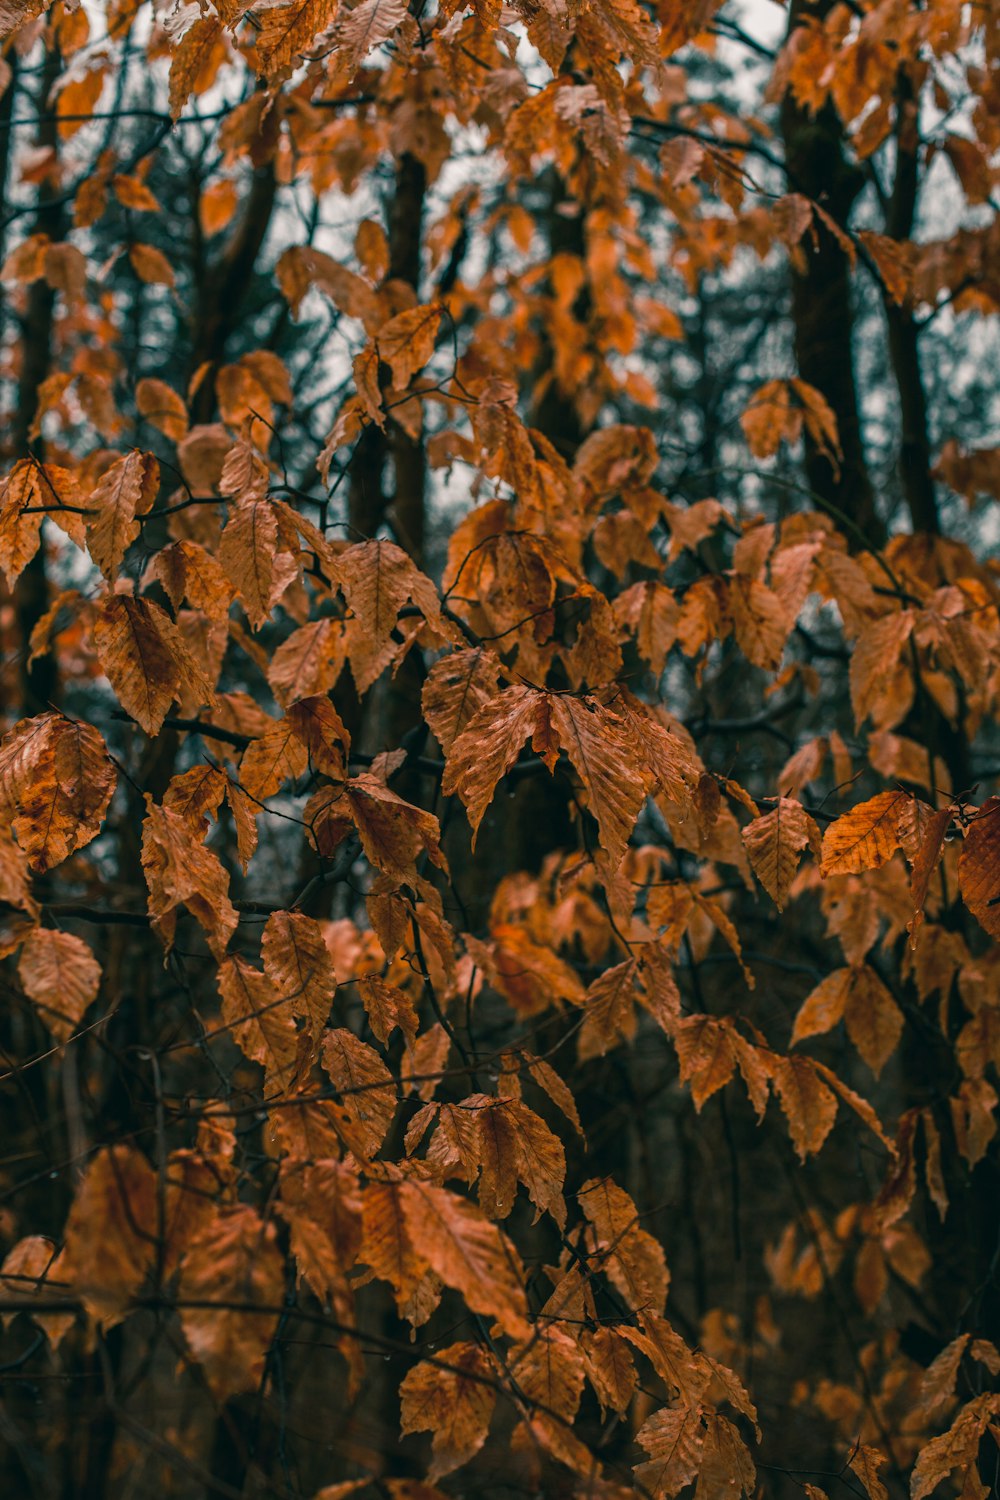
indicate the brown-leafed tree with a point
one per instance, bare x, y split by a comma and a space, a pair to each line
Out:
499, 670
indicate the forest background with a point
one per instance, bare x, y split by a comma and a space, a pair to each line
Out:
499, 665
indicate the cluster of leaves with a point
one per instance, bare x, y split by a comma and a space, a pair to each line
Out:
360, 1095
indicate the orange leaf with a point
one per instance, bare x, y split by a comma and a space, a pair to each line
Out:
489, 745
808, 1103
392, 832
407, 341
62, 976
261, 1021
126, 490
673, 1438
110, 1238
864, 838
979, 867
468, 1253
249, 553
151, 265
603, 753
56, 780
454, 690
180, 871
297, 962
365, 1086
20, 534
234, 1259
632, 1259
146, 659
287, 31
455, 1403
191, 59
774, 843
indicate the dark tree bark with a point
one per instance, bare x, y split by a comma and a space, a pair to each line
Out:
222, 288
370, 503
38, 679
904, 349
822, 307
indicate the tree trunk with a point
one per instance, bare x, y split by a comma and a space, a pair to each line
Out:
38, 679
904, 350
822, 307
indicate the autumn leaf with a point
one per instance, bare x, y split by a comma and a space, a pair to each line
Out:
196, 796
322, 1207
766, 421
56, 781
865, 1463
21, 499
809, 1105
303, 266
706, 1055
490, 744
28, 1272
60, 973
392, 831
468, 1253
406, 342
455, 689
151, 265
875, 661
632, 1259
308, 663
261, 1021
775, 842
231, 1291
298, 964
249, 553
937, 1384
865, 837
276, 757
924, 858
181, 871
550, 1370
858, 996
187, 571
387, 1244
289, 30
387, 1006
452, 1397
378, 578
126, 490
364, 1084
190, 58
958, 1448
673, 1438
979, 867
365, 27
610, 1009
726, 1465
760, 622
145, 658
110, 1236
601, 751
610, 1369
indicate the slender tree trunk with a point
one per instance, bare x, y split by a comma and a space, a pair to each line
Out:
38, 679
223, 288
369, 503
904, 349
7, 143
409, 459
822, 305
